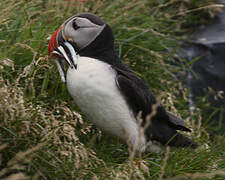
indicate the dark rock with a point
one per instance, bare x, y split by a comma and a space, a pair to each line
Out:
205, 53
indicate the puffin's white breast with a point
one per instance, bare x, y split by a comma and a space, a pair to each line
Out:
93, 87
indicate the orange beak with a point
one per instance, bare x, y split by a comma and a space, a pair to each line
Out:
53, 44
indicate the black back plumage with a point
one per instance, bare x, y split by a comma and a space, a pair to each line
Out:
164, 125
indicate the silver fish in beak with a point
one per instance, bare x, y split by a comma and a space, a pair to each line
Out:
62, 50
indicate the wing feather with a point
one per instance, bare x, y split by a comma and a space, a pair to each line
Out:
163, 124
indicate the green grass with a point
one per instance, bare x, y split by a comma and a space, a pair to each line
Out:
43, 134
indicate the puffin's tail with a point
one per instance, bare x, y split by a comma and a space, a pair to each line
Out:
179, 140
167, 133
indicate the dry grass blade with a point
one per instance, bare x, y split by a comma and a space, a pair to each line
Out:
195, 176
26, 155
211, 6
3, 146
162, 170
18, 176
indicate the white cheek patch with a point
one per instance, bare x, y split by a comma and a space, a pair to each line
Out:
85, 35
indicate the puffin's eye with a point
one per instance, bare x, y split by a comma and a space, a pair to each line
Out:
75, 26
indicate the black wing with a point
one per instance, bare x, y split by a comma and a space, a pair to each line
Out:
163, 125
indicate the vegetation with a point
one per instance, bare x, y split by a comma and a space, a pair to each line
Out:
43, 134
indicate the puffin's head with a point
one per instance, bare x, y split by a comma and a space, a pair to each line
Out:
81, 34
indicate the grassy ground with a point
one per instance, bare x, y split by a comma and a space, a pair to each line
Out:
43, 135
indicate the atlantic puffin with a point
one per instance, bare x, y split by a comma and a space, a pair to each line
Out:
107, 91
